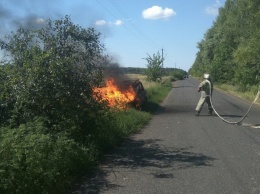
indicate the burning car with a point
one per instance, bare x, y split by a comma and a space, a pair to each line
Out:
141, 95
122, 94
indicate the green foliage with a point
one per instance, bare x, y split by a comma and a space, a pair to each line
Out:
177, 75
133, 70
52, 72
247, 57
154, 67
156, 94
33, 161
5, 89
121, 125
130, 121
230, 49
115, 125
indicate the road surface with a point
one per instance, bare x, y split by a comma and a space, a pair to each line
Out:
178, 152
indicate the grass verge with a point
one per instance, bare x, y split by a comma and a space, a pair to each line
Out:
156, 94
248, 95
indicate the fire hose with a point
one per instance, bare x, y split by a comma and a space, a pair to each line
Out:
237, 122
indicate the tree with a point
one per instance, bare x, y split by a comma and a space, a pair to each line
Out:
154, 66
51, 74
230, 49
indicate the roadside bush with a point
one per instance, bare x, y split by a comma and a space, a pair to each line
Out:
32, 161
177, 75
51, 73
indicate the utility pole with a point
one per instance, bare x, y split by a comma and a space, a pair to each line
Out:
162, 57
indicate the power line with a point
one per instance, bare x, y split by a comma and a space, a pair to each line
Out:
116, 18
137, 35
113, 2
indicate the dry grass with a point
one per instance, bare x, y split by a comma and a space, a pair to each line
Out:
142, 78
146, 83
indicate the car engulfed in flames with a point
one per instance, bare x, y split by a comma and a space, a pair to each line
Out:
121, 95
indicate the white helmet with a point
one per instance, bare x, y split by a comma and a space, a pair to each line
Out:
206, 76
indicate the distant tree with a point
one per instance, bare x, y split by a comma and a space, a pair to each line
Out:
133, 70
154, 67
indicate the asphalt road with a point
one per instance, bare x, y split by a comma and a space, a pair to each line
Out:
178, 152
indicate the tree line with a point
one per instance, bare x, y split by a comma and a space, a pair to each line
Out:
230, 49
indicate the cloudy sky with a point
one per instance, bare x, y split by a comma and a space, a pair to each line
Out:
130, 29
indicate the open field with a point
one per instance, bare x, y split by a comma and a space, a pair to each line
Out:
142, 78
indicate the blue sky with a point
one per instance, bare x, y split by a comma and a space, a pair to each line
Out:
131, 29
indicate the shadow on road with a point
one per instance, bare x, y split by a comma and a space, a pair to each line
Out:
143, 156
177, 109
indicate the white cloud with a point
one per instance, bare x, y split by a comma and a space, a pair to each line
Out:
39, 20
103, 22
100, 22
118, 22
156, 12
213, 9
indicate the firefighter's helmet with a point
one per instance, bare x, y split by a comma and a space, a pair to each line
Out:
206, 76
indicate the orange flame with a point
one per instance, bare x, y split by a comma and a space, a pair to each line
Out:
114, 96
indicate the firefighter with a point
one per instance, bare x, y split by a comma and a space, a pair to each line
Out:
205, 88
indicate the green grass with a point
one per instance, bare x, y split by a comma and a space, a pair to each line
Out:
156, 94
248, 95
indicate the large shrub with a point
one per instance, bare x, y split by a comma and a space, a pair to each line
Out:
33, 161
49, 74
52, 72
